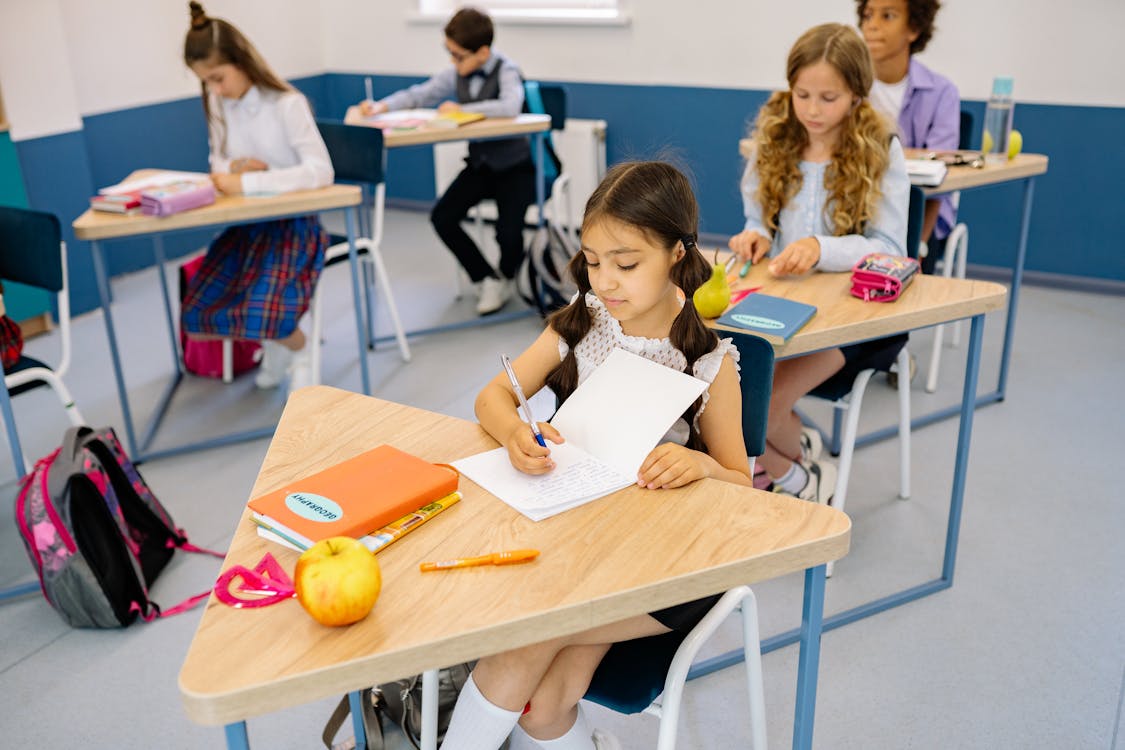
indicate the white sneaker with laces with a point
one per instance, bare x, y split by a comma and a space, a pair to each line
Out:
821, 485
811, 444
494, 294
603, 740
276, 360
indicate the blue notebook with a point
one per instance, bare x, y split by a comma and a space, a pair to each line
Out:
773, 317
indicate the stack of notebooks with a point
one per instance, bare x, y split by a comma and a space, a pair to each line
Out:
409, 119
158, 194
925, 172
375, 497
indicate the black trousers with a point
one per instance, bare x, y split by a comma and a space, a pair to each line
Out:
513, 190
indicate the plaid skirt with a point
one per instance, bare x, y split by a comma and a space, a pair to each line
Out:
256, 280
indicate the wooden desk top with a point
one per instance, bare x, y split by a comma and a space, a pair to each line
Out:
843, 319
605, 561
964, 178
492, 127
227, 209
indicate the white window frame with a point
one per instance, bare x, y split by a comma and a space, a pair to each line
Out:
531, 12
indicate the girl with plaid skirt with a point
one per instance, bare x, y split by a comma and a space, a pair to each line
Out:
256, 280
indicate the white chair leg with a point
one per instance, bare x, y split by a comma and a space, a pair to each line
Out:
752, 653
847, 441
904, 424
384, 282
56, 384
228, 361
954, 258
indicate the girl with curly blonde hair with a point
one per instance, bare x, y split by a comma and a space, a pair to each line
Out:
825, 185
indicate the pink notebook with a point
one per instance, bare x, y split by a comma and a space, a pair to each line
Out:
176, 197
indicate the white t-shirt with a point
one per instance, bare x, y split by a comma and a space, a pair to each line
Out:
887, 98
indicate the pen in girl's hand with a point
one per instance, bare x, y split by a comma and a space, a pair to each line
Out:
527, 415
745, 269
367, 89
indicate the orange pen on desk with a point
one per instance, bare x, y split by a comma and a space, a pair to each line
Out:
510, 557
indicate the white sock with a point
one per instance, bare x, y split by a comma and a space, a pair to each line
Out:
477, 723
578, 737
794, 480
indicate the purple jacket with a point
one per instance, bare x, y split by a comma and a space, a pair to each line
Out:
931, 118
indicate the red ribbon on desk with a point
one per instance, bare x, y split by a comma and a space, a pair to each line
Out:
266, 584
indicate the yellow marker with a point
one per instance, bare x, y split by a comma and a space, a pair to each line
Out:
496, 558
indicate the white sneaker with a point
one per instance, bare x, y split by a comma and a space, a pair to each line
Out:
494, 294
300, 370
603, 740
811, 444
276, 360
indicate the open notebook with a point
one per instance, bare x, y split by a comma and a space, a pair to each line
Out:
611, 422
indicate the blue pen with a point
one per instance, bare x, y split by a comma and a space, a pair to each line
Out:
523, 400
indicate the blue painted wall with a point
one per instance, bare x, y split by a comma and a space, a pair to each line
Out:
21, 302
699, 127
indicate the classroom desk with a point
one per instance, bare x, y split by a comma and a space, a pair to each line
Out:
601, 562
97, 226
533, 125
1024, 168
842, 319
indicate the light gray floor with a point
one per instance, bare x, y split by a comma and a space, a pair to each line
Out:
1026, 650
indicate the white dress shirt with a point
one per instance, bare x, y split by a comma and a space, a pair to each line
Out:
275, 127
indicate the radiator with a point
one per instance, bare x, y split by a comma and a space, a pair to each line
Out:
581, 149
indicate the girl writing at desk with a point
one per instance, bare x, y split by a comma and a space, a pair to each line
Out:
256, 280
638, 249
821, 190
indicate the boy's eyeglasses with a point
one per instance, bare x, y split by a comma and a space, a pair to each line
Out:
973, 159
457, 56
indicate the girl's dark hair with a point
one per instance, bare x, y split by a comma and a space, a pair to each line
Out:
656, 199
920, 18
217, 41
470, 28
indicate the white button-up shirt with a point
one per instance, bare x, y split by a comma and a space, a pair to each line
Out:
275, 127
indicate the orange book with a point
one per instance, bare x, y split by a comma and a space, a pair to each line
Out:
357, 496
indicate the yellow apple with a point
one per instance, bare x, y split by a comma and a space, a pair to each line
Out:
986, 143
1015, 143
337, 581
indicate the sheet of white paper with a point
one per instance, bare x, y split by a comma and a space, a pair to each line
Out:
157, 179
577, 478
623, 409
401, 115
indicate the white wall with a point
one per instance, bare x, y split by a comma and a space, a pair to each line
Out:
62, 59
1063, 53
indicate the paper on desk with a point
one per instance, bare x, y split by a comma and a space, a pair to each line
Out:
611, 422
156, 179
402, 118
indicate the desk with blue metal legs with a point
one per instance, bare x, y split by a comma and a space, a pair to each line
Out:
594, 570
534, 126
841, 320
99, 227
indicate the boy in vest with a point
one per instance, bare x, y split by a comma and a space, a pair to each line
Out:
481, 80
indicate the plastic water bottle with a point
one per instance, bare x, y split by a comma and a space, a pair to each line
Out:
998, 121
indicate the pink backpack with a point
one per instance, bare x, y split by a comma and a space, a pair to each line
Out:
206, 357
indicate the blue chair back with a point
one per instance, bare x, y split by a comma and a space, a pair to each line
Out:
356, 151
29, 248
547, 99
915, 216
632, 674
966, 136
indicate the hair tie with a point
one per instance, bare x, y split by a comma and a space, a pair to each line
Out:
689, 241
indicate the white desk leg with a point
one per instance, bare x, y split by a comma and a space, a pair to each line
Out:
429, 709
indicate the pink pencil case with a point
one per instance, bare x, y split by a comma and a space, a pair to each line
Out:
879, 277
176, 197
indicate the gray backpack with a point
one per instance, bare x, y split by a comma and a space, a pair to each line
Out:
96, 535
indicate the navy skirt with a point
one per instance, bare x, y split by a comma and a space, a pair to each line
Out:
256, 280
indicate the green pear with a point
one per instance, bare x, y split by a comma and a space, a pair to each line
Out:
713, 297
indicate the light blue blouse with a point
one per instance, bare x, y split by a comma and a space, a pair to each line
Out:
804, 215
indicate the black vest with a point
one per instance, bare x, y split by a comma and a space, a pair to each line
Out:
500, 154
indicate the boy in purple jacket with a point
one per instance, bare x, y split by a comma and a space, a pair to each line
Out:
925, 105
